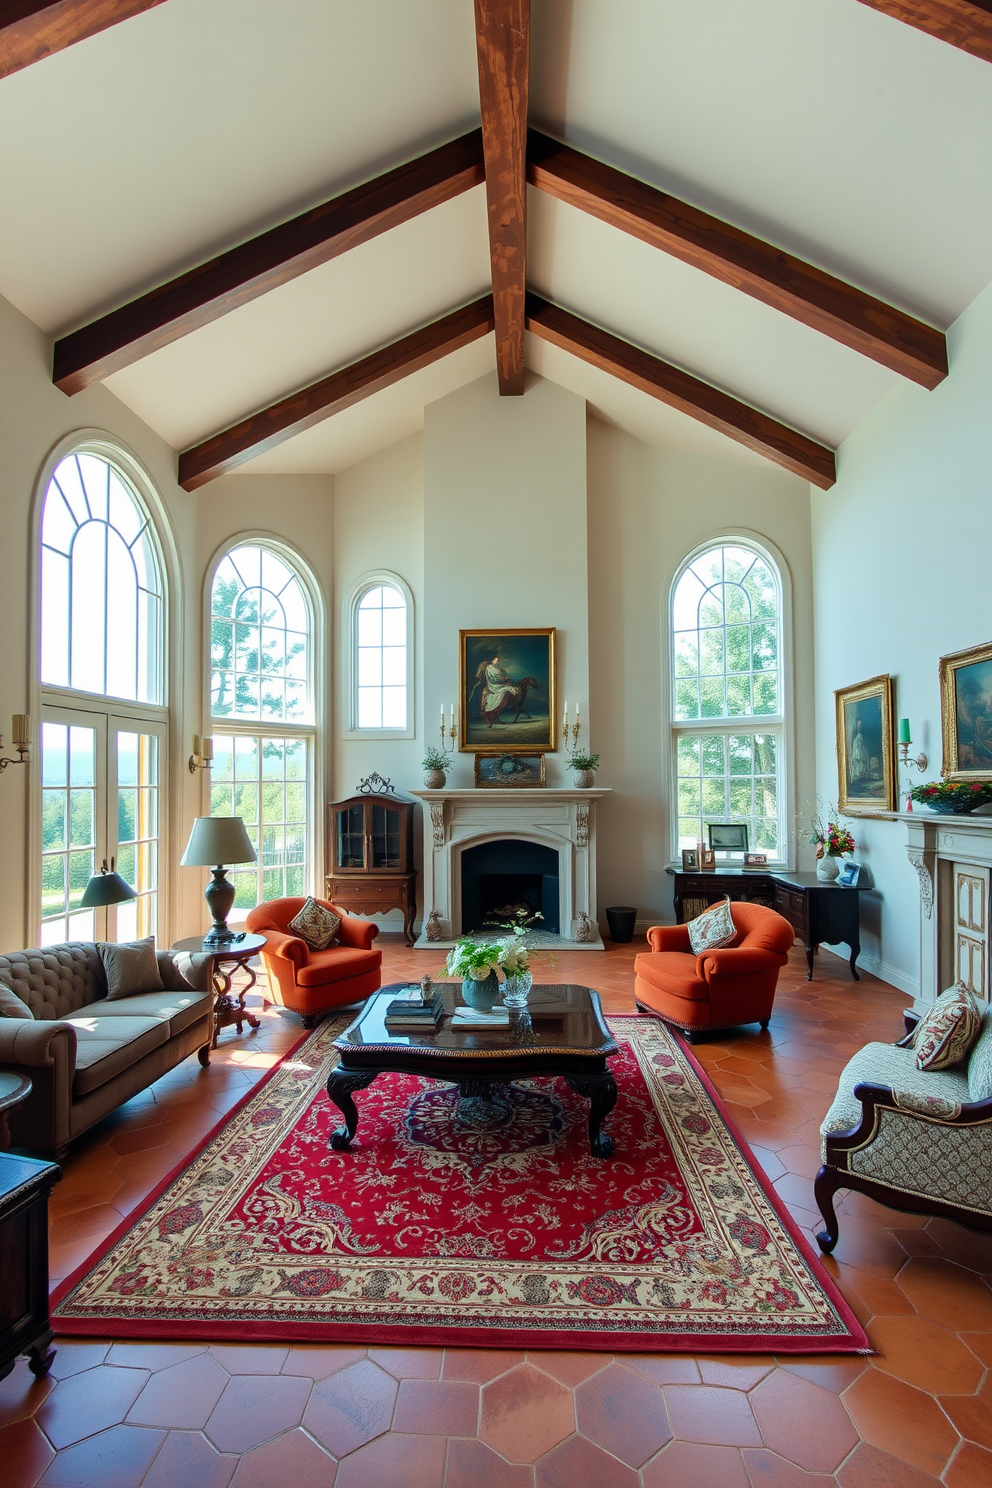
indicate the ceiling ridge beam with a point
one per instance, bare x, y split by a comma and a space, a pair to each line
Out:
242, 274
966, 24
31, 30
702, 401
272, 426
502, 34
837, 309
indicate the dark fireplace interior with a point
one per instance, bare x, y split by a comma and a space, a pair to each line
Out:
498, 878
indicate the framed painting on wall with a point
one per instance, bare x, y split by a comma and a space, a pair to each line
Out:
966, 714
497, 771
507, 690
866, 773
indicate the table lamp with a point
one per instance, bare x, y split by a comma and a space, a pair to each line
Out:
214, 841
106, 887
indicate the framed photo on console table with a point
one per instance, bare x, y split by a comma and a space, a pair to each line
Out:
866, 773
966, 714
507, 691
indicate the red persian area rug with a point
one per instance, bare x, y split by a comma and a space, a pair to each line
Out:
440, 1229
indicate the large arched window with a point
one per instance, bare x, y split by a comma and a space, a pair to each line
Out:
728, 704
263, 711
103, 732
381, 657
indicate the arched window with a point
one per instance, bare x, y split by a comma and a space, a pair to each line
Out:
381, 656
728, 704
263, 711
104, 725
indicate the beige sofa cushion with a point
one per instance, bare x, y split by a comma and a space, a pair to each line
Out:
895, 1068
105, 1046
55, 981
177, 1009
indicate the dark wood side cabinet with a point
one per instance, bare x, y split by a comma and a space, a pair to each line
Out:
819, 913
25, 1185
370, 855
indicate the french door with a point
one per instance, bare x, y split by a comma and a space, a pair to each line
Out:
102, 777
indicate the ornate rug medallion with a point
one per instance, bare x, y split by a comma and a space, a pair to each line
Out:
456, 1220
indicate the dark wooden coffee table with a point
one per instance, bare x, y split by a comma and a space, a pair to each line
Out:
560, 1032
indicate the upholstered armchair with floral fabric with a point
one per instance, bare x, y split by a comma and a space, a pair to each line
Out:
918, 1140
308, 981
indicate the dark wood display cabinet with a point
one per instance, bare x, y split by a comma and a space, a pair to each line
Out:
370, 852
818, 912
25, 1185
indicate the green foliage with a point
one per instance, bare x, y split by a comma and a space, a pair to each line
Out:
583, 761
435, 759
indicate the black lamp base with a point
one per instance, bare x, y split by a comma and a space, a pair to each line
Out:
219, 895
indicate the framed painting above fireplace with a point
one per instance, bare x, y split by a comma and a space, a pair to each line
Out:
507, 690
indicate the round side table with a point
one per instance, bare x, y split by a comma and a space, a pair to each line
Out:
229, 1006
13, 1089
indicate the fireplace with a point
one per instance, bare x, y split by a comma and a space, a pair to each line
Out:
501, 878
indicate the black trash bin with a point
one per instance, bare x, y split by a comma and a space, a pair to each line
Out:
621, 920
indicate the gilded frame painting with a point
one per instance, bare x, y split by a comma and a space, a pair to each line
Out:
526, 771
506, 695
966, 714
866, 773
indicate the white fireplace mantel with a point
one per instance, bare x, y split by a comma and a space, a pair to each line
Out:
952, 855
562, 819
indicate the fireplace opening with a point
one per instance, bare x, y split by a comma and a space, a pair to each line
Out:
499, 878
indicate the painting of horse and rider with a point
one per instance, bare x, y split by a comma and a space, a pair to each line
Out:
507, 690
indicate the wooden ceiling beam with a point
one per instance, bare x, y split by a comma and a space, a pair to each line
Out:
502, 33
242, 274
224, 452
679, 389
839, 310
31, 30
963, 23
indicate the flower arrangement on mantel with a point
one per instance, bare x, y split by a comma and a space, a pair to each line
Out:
958, 796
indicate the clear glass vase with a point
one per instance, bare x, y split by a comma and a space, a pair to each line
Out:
516, 989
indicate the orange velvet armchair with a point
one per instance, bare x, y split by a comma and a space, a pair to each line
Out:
310, 982
719, 989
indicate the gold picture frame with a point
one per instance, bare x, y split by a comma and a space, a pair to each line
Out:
513, 670
866, 767
966, 714
527, 772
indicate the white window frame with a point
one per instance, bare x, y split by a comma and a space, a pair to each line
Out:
782, 724
314, 732
373, 581
139, 716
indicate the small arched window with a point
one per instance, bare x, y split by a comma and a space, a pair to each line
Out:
101, 585
728, 705
260, 639
381, 656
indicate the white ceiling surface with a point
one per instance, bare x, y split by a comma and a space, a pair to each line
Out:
313, 325
145, 150
836, 132
689, 318
381, 420
833, 131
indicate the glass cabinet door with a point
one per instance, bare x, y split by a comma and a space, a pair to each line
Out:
385, 837
350, 837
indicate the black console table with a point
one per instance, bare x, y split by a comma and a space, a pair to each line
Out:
25, 1184
817, 911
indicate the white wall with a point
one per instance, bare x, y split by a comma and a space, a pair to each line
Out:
901, 549
648, 508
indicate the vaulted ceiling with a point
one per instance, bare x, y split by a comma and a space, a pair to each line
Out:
852, 141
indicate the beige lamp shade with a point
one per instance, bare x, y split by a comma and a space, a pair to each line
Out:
217, 839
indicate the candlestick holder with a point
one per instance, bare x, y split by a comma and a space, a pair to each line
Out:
449, 732
919, 763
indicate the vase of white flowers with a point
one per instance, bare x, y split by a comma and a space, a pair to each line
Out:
475, 961
515, 961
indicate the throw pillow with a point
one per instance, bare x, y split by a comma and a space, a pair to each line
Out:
945, 1034
131, 967
712, 929
185, 971
316, 925
11, 1005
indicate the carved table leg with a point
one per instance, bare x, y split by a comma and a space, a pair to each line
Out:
41, 1355
602, 1093
855, 953
409, 915
824, 1188
240, 1011
810, 953
339, 1088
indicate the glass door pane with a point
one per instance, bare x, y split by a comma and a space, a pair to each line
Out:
72, 835
351, 837
265, 781
385, 837
136, 828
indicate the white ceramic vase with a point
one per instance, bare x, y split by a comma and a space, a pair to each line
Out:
828, 868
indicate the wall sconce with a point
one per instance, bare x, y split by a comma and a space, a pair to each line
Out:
921, 761
20, 728
203, 754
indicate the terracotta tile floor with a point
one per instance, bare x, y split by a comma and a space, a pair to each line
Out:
168, 1415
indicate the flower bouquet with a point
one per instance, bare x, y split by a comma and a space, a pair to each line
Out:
958, 796
832, 841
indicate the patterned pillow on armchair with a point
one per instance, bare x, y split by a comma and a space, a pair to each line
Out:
712, 929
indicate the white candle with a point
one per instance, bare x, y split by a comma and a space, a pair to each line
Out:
442, 715
452, 715
577, 711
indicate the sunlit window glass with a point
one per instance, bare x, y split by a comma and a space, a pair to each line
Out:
260, 641
381, 659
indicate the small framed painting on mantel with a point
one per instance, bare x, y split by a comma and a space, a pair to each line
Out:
501, 771
865, 756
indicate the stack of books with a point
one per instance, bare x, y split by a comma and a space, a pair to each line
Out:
408, 1013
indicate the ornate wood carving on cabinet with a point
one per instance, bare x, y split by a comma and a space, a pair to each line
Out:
370, 853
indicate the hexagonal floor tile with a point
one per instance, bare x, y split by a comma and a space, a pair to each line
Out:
351, 1407
525, 1414
802, 1422
623, 1414
255, 1407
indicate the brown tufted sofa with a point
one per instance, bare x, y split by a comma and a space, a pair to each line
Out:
85, 1055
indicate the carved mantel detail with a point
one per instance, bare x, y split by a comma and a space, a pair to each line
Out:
919, 862
582, 826
437, 822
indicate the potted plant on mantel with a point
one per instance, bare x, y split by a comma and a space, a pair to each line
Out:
435, 763
583, 768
